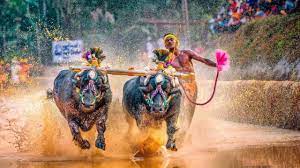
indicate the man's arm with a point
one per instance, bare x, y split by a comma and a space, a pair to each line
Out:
197, 57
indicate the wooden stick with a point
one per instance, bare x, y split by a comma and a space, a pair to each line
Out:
129, 72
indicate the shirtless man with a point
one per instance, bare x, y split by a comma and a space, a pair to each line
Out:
181, 60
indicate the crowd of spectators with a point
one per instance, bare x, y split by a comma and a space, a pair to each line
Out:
15, 72
237, 12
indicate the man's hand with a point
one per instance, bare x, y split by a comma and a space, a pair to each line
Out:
170, 70
159, 54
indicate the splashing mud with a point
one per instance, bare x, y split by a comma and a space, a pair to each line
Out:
34, 134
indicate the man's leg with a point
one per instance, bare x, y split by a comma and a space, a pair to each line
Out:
187, 109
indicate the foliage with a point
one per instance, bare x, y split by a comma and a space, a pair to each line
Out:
29, 26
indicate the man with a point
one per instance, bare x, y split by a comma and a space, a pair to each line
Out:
24, 71
181, 60
15, 70
3, 75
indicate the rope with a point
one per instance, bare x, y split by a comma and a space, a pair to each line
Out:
211, 97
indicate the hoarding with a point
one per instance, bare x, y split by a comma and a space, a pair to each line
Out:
67, 51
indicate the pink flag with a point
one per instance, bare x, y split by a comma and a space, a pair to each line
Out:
222, 60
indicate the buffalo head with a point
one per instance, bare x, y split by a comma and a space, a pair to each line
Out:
158, 92
90, 88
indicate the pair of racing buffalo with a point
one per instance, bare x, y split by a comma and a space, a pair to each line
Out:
84, 99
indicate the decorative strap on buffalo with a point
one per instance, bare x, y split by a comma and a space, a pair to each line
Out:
158, 90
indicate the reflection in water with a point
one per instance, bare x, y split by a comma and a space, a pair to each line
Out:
272, 156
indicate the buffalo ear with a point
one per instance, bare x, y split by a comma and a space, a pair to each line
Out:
146, 80
145, 89
76, 83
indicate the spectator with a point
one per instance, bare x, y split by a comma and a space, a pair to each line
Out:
24, 71
212, 25
275, 7
260, 13
252, 3
239, 12
7, 71
265, 6
3, 75
234, 22
15, 69
289, 5
233, 5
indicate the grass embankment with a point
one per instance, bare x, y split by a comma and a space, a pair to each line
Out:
266, 42
270, 103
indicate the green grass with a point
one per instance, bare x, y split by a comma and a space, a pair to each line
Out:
270, 39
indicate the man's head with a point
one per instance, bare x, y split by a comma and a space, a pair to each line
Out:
171, 41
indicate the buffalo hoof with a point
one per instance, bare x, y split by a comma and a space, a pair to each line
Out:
171, 145
100, 144
84, 144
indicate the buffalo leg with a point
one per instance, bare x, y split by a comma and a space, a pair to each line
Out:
84, 144
130, 122
101, 127
171, 130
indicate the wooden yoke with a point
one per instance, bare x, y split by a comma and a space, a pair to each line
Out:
129, 72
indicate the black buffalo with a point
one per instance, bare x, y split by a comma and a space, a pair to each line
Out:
152, 100
83, 99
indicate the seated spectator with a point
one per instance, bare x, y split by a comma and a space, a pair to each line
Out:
212, 25
268, 7
243, 8
259, 13
24, 71
250, 13
222, 23
7, 70
3, 75
275, 7
234, 22
252, 3
15, 69
236, 15
241, 11
289, 5
222, 10
232, 7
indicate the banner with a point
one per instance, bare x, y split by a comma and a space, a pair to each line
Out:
67, 51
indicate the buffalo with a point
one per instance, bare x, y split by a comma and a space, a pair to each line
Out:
151, 100
83, 99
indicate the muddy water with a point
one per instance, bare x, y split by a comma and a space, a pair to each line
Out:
33, 134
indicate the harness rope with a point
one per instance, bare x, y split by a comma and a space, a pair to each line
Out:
211, 97
158, 90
